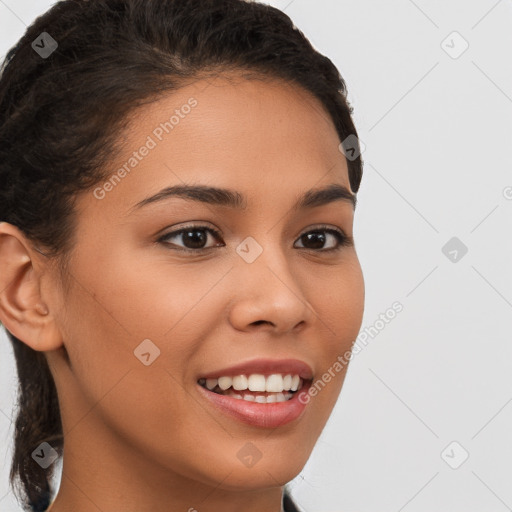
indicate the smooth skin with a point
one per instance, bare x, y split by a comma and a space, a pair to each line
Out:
142, 438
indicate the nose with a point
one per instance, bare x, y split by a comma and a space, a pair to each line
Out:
269, 296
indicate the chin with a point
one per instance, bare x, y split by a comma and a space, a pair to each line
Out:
269, 467
264, 477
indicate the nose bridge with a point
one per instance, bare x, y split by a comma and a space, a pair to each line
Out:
269, 290
267, 260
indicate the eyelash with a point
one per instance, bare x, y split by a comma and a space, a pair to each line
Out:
343, 240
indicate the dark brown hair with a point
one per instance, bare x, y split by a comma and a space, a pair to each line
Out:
61, 120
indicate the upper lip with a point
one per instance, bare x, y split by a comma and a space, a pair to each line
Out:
264, 367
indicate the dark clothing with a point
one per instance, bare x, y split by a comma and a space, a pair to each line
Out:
288, 504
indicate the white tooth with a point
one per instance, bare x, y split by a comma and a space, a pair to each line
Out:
236, 395
225, 382
287, 382
271, 399
260, 399
249, 398
256, 382
295, 383
288, 396
211, 383
240, 382
280, 397
274, 383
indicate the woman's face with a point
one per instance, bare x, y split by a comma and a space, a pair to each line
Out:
144, 320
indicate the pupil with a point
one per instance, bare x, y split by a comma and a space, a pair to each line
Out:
317, 234
196, 241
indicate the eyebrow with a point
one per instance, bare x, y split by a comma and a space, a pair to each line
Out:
233, 199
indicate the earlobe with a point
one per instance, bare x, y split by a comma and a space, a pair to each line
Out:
23, 310
42, 309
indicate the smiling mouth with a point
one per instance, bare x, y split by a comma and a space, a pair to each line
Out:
255, 387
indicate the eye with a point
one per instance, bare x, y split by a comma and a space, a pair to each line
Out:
317, 237
195, 237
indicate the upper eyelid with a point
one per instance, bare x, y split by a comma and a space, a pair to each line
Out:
216, 231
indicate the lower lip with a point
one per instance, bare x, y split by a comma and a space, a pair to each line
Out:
270, 415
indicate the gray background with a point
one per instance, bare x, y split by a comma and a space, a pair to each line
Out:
438, 134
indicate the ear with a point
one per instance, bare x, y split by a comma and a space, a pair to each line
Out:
23, 310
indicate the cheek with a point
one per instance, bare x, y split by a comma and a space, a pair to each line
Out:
338, 299
133, 308
144, 405
340, 308
157, 297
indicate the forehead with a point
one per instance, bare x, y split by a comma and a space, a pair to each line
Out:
232, 132
241, 113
